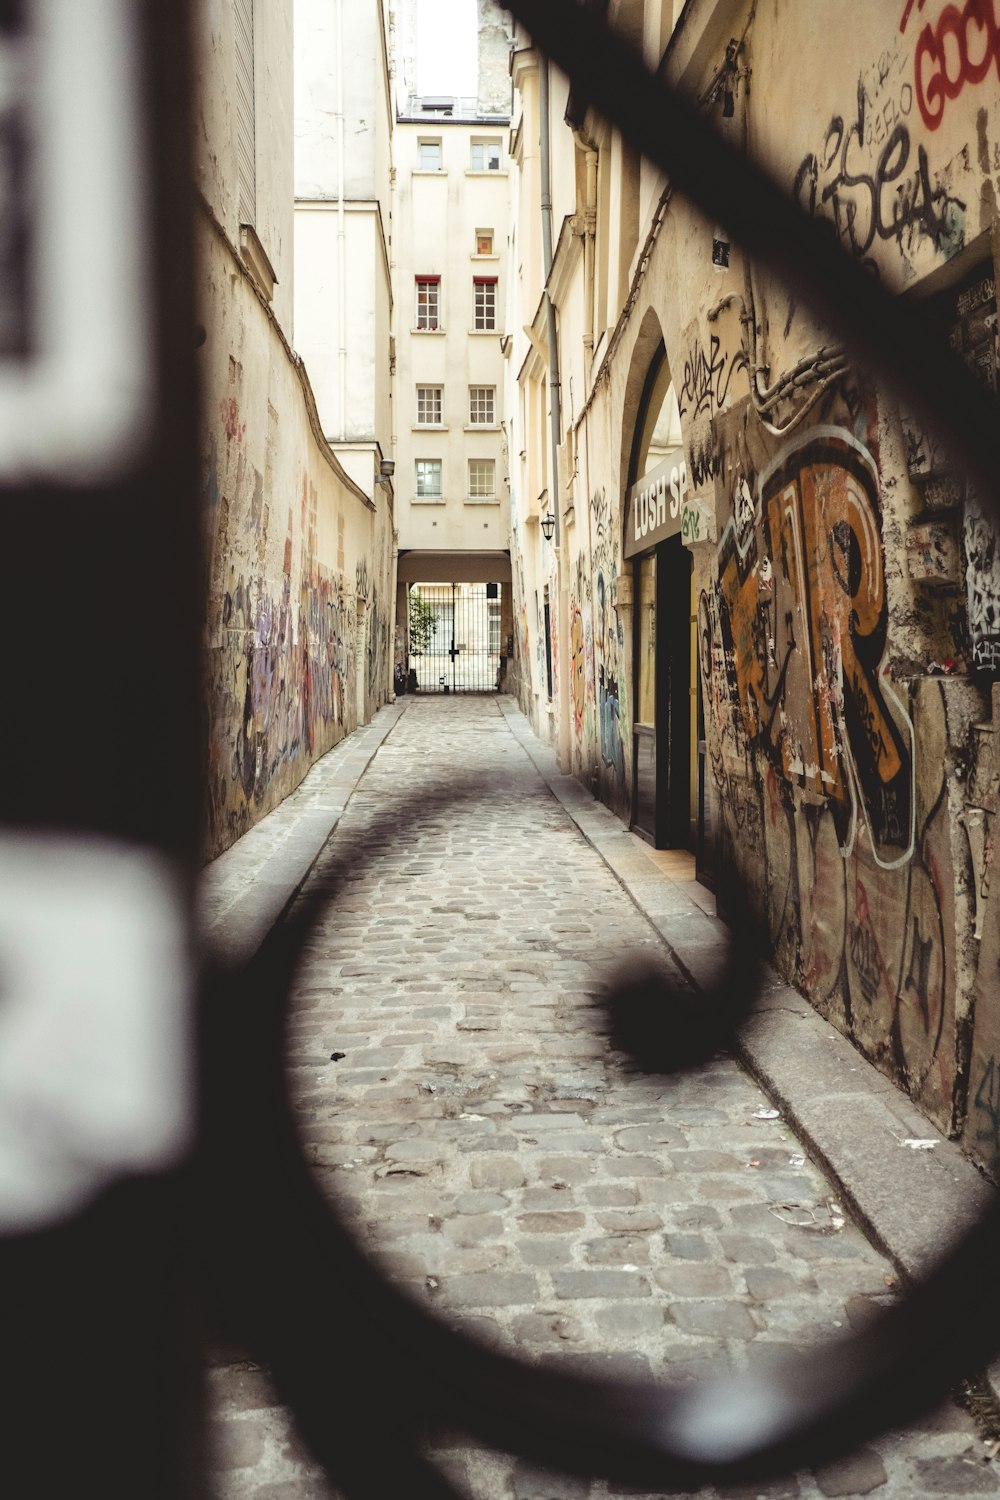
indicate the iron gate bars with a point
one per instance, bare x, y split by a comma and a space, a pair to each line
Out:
349, 1353
429, 1377
99, 750
462, 651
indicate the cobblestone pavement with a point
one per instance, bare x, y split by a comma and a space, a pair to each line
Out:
502, 1163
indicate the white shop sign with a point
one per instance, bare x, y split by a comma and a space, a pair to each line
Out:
655, 504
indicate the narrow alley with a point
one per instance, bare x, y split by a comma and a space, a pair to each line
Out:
507, 1167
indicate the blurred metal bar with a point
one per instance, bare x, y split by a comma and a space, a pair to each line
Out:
99, 776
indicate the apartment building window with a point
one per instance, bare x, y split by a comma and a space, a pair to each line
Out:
246, 113
484, 242
482, 479
486, 155
428, 479
428, 302
485, 289
482, 405
429, 154
429, 403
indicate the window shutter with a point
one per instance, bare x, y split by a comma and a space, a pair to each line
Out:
246, 141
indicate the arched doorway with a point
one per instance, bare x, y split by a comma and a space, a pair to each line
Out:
663, 758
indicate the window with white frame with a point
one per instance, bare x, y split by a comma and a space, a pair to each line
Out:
486, 154
428, 302
428, 479
429, 154
482, 479
485, 299
429, 405
482, 405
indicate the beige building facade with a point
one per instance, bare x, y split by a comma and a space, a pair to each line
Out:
298, 554
451, 212
766, 627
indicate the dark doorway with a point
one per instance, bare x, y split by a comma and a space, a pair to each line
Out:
662, 639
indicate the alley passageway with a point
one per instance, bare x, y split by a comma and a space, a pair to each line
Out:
506, 1166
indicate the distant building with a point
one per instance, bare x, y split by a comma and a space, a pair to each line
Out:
451, 254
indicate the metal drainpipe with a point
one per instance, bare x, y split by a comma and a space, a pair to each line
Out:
563, 749
550, 312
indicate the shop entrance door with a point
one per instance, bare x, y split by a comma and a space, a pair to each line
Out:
662, 731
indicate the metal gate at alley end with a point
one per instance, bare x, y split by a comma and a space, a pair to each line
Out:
455, 637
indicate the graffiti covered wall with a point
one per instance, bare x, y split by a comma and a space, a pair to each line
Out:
847, 580
298, 568
846, 575
829, 771
847, 617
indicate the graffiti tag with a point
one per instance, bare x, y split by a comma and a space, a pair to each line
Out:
960, 48
894, 201
707, 377
988, 1104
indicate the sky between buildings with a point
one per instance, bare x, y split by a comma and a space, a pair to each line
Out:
446, 47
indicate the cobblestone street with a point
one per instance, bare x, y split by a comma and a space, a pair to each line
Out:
504, 1164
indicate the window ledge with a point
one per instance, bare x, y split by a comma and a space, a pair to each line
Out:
427, 330
256, 261
481, 500
430, 171
428, 500
488, 333
429, 427
494, 255
481, 427
486, 171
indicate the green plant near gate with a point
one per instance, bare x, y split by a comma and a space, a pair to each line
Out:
423, 618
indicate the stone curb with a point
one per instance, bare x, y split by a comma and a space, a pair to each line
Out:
246, 891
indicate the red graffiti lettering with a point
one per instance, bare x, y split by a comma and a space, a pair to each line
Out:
958, 49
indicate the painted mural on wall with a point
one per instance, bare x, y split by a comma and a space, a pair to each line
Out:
803, 614
613, 721
821, 798
583, 679
280, 665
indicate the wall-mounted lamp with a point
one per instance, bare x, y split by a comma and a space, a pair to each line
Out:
548, 524
386, 469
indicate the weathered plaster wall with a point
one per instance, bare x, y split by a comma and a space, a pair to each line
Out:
436, 217
298, 627
848, 585
214, 145
837, 660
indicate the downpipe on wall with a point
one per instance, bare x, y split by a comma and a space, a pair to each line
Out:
555, 414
